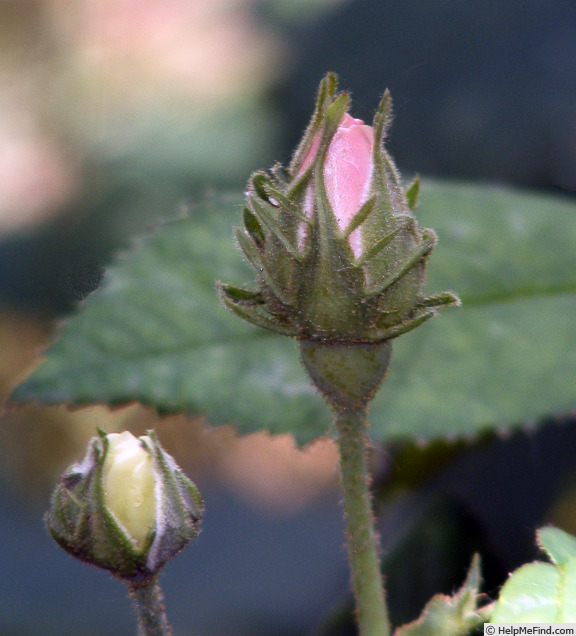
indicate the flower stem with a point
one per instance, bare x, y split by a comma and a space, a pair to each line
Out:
367, 581
148, 602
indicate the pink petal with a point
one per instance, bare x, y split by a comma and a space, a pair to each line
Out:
347, 175
348, 171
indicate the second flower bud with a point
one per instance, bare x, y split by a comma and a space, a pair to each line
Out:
127, 507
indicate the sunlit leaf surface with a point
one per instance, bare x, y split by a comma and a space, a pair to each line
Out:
541, 592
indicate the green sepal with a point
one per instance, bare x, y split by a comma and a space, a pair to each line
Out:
417, 318
382, 119
272, 220
332, 119
240, 295
265, 213
359, 218
287, 204
180, 508
391, 209
388, 169
385, 178
253, 227
249, 248
331, 288
250, 306
330, 292
414, 258
444, 299
326, 92
450, 615
257, 260
413, 193
257, 184
378, 246
327, 243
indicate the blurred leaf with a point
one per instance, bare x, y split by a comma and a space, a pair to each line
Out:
409, 465
449, 615
542, 592
155, 331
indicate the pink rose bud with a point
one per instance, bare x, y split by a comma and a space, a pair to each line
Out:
338, 254
347, 173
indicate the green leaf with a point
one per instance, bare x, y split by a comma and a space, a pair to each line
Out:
542, 592
559, 545
449, 615
156, 332
529, 595
507, 355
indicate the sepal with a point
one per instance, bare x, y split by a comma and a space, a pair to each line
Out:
411, 260
266, 215
451, 615
413, 193
251, 307
325, 94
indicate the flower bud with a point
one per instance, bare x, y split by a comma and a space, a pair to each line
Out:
129, 486
347, 174
127, 507
338, 254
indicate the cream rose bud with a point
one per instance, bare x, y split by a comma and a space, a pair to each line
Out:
127, 507
129, 485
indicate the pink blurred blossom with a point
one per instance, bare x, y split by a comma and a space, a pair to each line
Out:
210, 48
37, 174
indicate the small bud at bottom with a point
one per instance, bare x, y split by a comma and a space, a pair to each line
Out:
127, 507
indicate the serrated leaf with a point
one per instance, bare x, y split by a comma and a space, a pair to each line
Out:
559, 545
507, 355
449, 615
155, 331
538, 593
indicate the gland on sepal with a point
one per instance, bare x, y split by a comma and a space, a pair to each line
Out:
127, 507
338, 254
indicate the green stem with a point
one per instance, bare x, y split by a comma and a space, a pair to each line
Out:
148, 602
361, 536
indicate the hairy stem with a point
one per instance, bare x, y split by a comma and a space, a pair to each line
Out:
148, 602
367, 581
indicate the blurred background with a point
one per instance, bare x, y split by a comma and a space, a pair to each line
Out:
115, 114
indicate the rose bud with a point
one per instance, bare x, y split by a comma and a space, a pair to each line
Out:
347, 174
127, 507
338, 254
